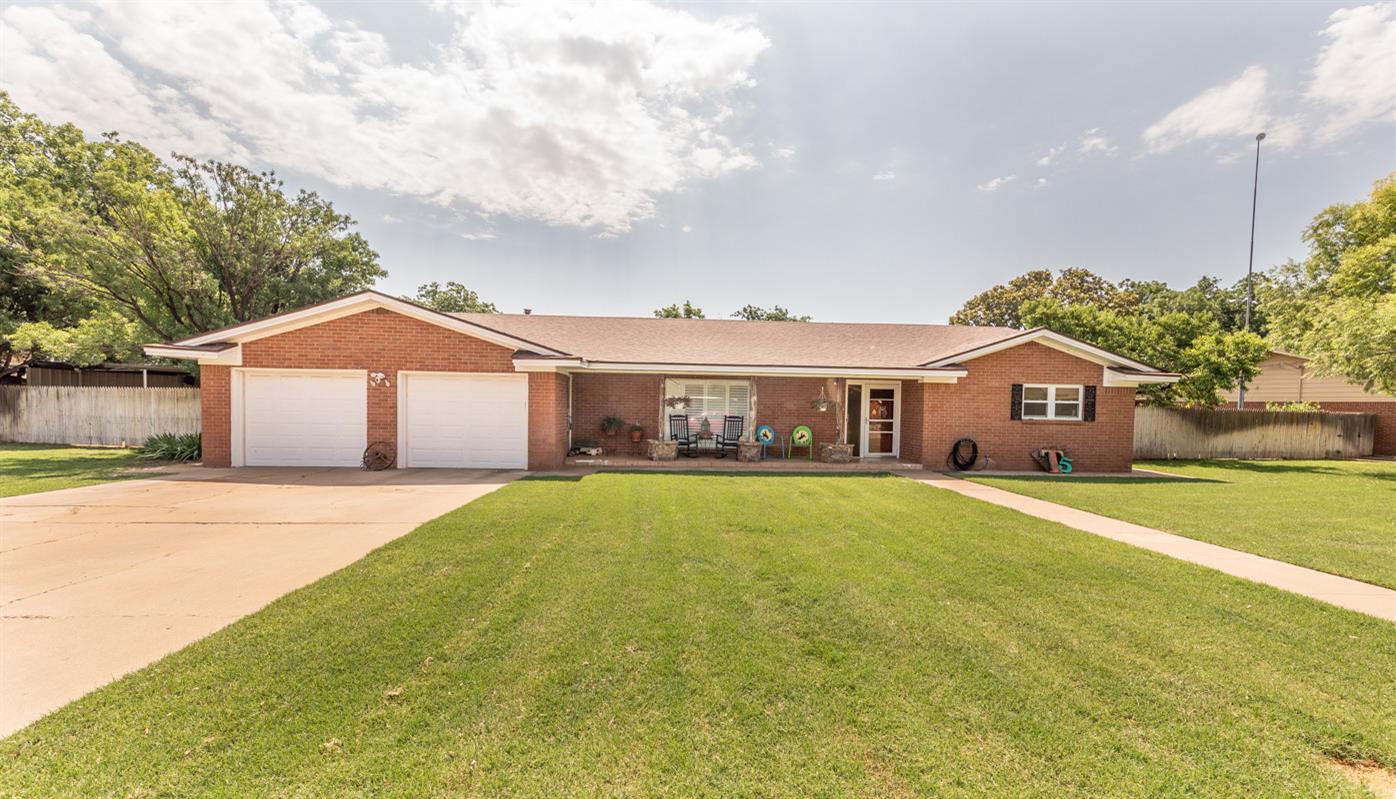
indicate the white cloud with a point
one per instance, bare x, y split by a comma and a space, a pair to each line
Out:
1231, 109
1050, 157
785, 153
1355, 73
391, 220
577, 115
1095, 141
477, 236
885, 175
1042, 183
687, 228
997, 183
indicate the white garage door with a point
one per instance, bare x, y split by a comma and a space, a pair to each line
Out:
464, 420
302, 417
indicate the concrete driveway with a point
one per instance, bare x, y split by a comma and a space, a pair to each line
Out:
99, 581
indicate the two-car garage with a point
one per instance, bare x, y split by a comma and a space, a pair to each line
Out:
320, 417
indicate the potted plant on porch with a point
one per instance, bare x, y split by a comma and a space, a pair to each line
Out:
612, 425
637, 433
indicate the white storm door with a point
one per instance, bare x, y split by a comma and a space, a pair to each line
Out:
881, 422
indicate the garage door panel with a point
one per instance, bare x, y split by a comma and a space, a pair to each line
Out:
466, 421
304, 418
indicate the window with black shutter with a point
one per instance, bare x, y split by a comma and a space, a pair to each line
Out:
1088, 409
1048, 402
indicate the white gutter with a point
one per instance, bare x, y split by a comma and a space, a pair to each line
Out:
231, 356
616, 367
1117, 379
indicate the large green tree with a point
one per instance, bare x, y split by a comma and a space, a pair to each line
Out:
1338, 305
174, 247
451, 298
1208, 297
1002, 305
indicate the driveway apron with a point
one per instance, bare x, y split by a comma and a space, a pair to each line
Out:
96, 582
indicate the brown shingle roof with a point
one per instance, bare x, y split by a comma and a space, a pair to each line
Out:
741, 343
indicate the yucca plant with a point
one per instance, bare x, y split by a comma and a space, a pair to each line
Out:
176, 447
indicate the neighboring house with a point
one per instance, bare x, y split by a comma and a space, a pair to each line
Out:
109, 375
1286, 377
316, 385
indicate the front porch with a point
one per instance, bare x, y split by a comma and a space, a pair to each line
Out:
619, 414
707, 463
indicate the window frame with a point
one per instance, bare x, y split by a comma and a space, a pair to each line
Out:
1052, 402
680, 385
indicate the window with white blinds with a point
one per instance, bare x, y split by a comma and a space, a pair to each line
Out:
711, 399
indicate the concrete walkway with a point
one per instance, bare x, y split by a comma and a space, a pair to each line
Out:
1355, 595
99, 581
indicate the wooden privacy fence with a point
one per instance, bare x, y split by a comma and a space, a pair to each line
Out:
1207, 433
95, 414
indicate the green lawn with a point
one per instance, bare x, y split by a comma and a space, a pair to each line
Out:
30, 468
1335, 516
705, 635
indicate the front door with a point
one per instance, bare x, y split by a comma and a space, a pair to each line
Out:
874, 419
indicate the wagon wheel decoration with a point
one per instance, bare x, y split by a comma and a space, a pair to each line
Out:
380, 455
801, 436
765, 435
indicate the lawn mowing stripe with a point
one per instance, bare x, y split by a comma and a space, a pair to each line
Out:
763, 636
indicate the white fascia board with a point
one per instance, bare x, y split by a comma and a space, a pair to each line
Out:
229, 357
357, 303
547, 365
1114, 379
1056, 341
923, 375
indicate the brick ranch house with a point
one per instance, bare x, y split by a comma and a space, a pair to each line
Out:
314, 386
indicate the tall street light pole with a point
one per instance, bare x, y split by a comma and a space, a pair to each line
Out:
1250, 263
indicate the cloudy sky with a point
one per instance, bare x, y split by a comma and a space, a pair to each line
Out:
853, 161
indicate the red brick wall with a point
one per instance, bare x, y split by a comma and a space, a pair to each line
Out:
783, 402
634, 398
385, 341
1385, 441
547, 420
215, 415
913, 416
978, 407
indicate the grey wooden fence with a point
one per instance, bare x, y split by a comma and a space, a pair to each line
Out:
1208, 433
95, 415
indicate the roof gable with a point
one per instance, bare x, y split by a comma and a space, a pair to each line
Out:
347, 306
1058, 341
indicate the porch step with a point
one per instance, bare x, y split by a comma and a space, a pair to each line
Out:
733, 465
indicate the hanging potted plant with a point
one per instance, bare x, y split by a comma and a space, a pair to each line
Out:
637, 433
836, 452
677, 403
612, 425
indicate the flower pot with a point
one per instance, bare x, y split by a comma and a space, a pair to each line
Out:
836, 453
748, 451
637, 435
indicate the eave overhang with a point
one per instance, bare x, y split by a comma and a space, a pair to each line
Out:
581, 365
